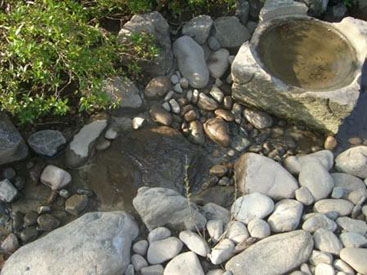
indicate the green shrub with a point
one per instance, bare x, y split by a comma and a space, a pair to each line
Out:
54, 60
54, 56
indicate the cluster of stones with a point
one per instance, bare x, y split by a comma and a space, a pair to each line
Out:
27, 227
313, 225
21, 228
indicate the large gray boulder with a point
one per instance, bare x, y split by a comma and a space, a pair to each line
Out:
153, 24
96, 243
256, 173
12, 145
165, 207
191, 61
277, 254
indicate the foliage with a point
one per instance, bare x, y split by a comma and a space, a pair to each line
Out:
54, 56
49, 46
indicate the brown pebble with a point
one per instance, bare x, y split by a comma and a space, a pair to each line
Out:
186, 108
226, 115
355, 141
218, 170
227, 102
330, 143
190, 116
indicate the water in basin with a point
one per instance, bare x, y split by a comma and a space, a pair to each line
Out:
307, 54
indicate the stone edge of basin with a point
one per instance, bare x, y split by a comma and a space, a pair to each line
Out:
323, 110
278, 8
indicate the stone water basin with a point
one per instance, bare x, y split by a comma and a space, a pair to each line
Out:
307, 54
302, 69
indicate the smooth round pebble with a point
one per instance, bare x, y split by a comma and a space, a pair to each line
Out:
258, 228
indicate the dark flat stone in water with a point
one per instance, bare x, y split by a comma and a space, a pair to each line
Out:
151, 157
307, 54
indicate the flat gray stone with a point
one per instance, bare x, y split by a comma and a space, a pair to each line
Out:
163, 250
138, 262
198, 28
277, 254
304, 196
81, 147
55, 177
318, 257
256, 173
7, 191
141, 247
222, 252
248, 207
352, 225
317, 180
152, 270
161, 206
191, 61
184, 264
159, 233
294, 163
215, 229
212, 211
124, 90
229, 32
218, 63
327, 241
276, 8
195, 243
95, 241
286, 216
46, 142
324, 269
353, 161
318, 221
12, 145
237, 232
353, 239
353, 188
342, 207
258, 228
356, 258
